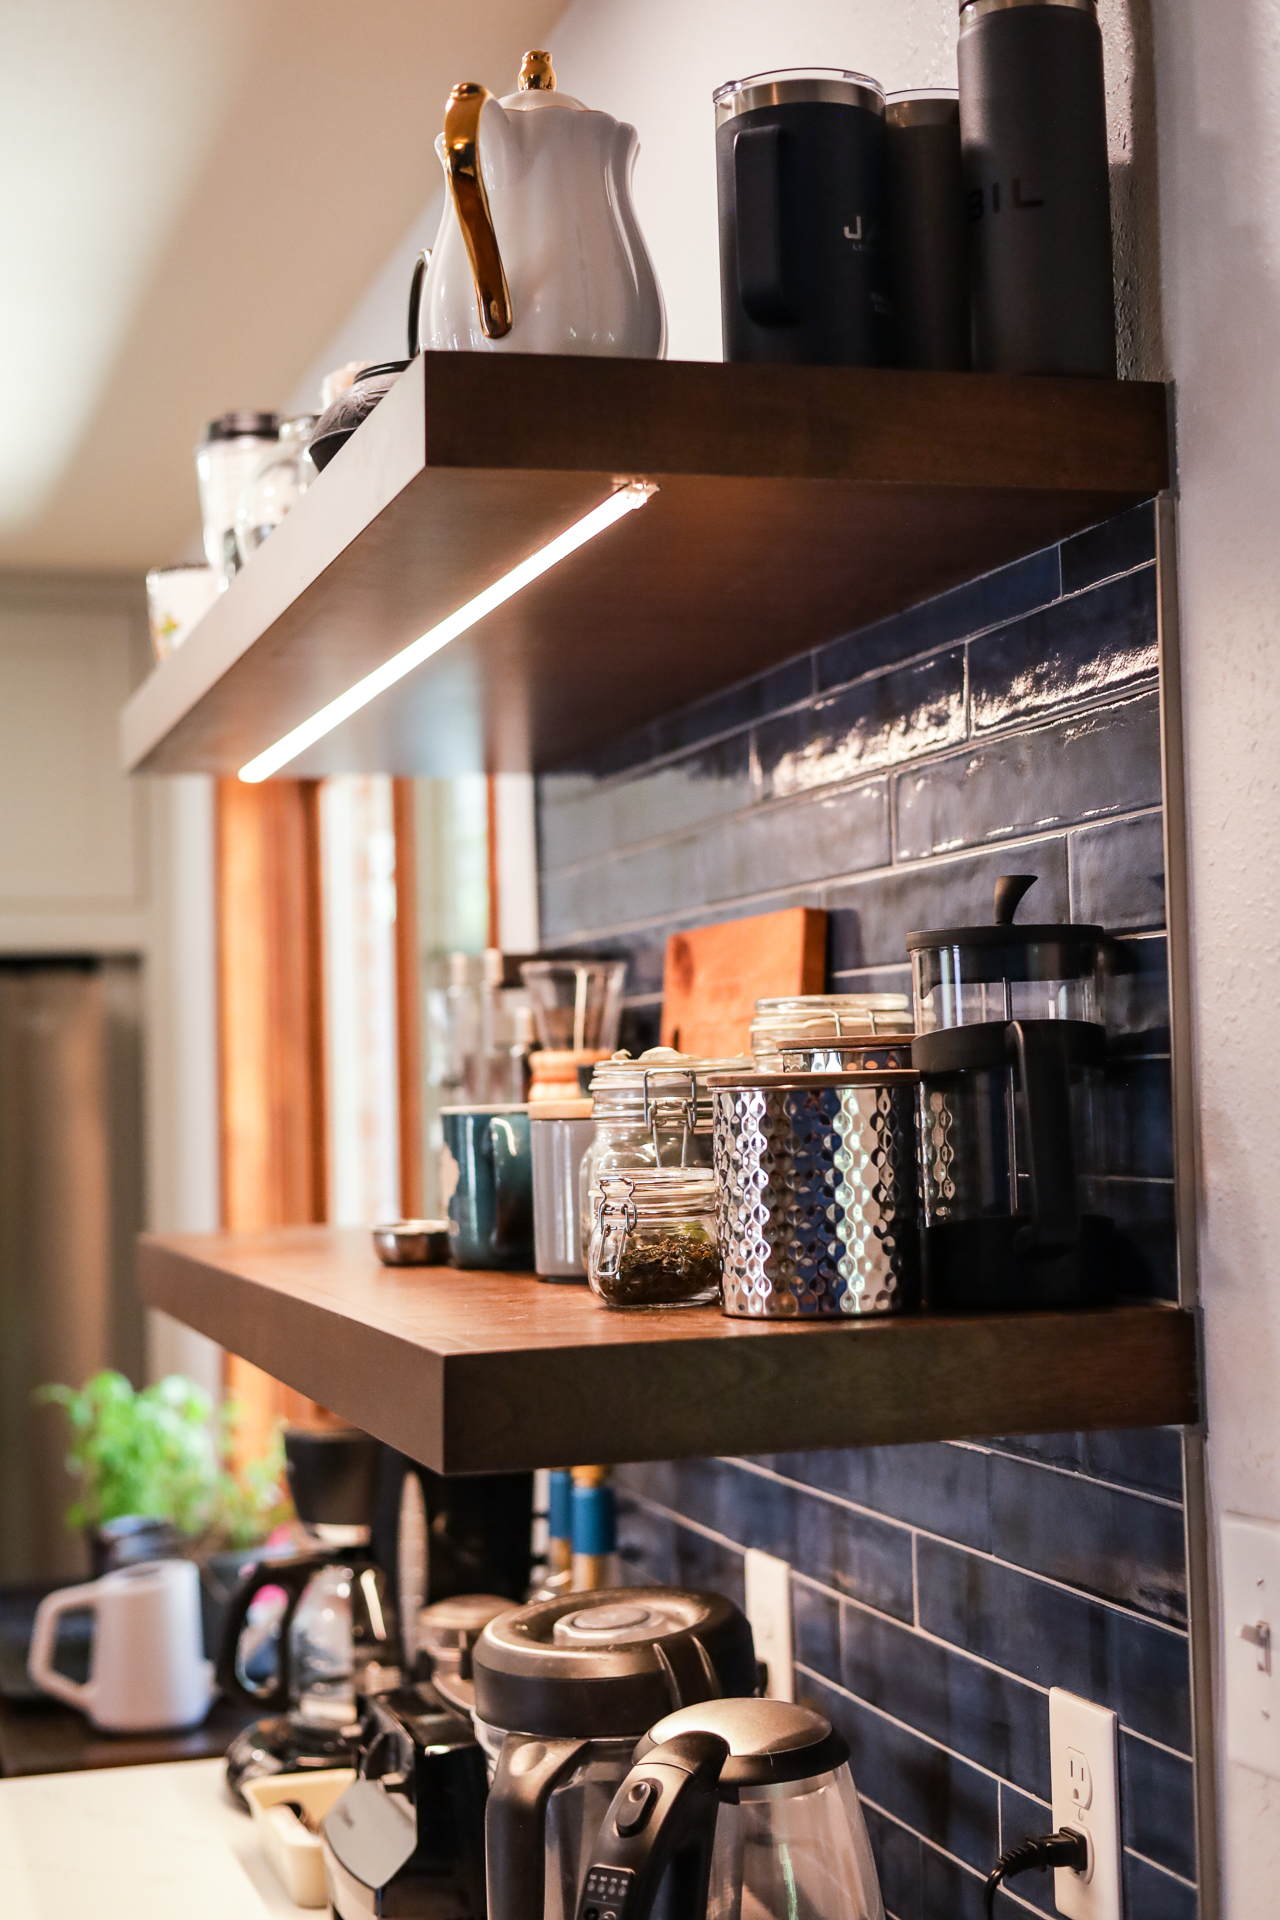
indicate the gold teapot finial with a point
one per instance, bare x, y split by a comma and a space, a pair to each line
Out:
537, 75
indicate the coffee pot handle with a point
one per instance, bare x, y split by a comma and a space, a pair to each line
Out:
471, 204
1042, 1050
662, 1816
44, 1635
293, 1574
757, 195
515, 1822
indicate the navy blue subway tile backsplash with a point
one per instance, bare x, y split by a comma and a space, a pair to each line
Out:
938, 1591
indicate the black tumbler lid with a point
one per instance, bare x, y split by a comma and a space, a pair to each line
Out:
332, 1475
1001, 6
242, 422
607, 1665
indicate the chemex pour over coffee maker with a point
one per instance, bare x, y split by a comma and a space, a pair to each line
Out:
563, 1690
735, 1808
1010, 1047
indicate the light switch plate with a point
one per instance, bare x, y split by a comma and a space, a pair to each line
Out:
1250, 1633
768, 1596
1084, 1771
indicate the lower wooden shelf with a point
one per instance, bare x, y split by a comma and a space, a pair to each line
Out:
481, 1372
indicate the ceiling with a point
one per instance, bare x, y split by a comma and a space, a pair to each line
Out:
193, 199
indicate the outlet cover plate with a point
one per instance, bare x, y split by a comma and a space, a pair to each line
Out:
1084, 1768
1251, 1641
768, 1596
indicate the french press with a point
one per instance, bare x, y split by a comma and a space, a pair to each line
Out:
1010, 1047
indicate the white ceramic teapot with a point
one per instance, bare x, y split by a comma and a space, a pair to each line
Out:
539, 250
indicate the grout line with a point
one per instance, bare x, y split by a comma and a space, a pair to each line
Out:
903, 1726
979, 1553
1089, 1479
1168, 1872
915, 1580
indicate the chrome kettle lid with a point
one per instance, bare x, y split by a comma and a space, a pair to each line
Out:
608, 1664
768, 1740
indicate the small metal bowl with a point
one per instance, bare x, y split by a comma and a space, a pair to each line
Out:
412, 1243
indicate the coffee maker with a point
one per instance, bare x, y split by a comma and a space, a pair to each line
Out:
563, 1690
1010, 1046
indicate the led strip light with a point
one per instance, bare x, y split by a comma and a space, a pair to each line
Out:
625, 500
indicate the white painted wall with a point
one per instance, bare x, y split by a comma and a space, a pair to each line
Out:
1218, 98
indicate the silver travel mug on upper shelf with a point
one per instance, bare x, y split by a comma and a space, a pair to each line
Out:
1033, 127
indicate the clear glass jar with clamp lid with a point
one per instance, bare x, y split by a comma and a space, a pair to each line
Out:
653, 1241
654, 1111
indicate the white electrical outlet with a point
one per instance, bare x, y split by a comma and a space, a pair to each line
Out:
1084, 1768
768, 1584
1251, 1641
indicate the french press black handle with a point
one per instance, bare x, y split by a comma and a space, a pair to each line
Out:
1042, 1049
663, 1816
293, 1572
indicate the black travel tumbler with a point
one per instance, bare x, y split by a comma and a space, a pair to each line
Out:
924, 199
1038, 206
800, 176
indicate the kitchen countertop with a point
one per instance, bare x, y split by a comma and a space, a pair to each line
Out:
133, 1843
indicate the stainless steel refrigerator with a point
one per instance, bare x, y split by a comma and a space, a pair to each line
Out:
71, 1184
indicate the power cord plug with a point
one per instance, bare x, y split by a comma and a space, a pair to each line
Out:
1066, 1848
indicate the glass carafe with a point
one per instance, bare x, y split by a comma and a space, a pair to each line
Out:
1010, 1047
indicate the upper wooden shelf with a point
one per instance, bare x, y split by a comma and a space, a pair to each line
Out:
794, 504
481, 1372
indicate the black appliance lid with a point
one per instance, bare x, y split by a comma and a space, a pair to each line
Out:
768, 1740
242, 422
1053, 951
607, 1665
332, 1474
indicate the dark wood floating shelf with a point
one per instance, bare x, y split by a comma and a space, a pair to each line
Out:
794, 504
476, 1372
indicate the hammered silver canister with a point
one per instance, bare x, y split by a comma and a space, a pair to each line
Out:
816, 1193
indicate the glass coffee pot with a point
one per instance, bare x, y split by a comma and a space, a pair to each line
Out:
1010, 1047
735, 1808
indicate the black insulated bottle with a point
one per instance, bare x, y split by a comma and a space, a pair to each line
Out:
924, 194
800, 183
1038, 204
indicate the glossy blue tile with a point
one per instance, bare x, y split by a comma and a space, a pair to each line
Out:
871, 918
810, 839
616, 890
661, 1552
1099, 643
1065, 1450
781, 686
941, 1488
1106, 761
1024, 1818
1117, 873
1150, 1894
815, 1628
1136, 1007
1117, 545
1137, 1108
948, 1892
1099, 1539
581, 819
1058, 1639
876, 723
897, 1856
1143, 1211
988, 1717
939, 1796
1149, 1458
941, 622
1157, 1805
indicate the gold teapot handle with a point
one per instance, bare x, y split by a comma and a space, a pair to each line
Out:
471, 203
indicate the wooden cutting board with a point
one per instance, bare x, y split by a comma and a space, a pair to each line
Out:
713, 976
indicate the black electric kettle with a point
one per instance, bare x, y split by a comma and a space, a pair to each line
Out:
734, 1807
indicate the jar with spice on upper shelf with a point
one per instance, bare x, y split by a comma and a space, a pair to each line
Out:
654, 1111
653, 1239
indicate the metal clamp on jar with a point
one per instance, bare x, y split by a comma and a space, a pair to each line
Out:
654, 1239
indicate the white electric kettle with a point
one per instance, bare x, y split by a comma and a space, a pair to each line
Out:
538, 249
148, 1671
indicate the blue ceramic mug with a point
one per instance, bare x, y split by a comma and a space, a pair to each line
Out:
488, 1161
